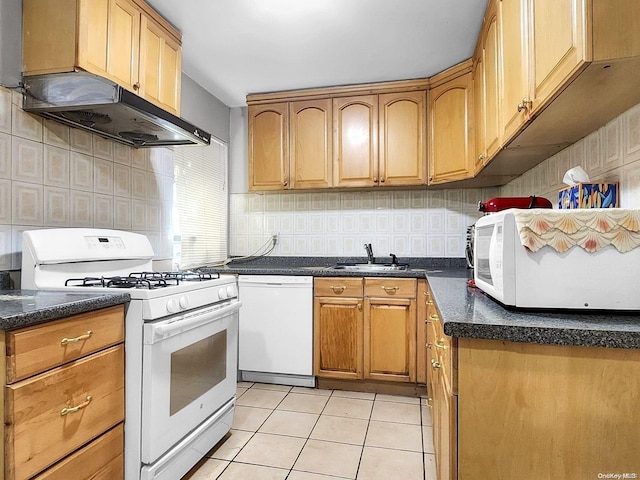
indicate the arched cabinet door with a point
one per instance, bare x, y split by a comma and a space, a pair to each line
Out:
403, 143
310, 143
451, 130
355, 142
268, 147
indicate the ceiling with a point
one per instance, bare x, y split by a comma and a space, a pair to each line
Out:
236, 47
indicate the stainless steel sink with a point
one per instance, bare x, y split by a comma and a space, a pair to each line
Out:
369, 267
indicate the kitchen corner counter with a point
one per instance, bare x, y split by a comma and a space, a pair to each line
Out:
24, 308
469, 313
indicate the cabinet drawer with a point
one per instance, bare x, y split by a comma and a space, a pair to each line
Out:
41, 423
102, 459
338, 287
32, 350
390, 287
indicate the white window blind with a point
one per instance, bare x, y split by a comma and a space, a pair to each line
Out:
201, 205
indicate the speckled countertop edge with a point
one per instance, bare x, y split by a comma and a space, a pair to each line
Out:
25, 308
467, 312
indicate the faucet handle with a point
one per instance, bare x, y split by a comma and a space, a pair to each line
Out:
394, 259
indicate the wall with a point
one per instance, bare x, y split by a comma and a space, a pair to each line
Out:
204, 110
610, 154
55, 176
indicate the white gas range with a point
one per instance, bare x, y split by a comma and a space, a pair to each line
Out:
181, 335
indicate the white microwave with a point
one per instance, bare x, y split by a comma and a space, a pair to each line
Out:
547, 279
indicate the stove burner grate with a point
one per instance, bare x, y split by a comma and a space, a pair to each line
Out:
143, 280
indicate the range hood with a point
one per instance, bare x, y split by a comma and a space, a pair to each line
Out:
93, 103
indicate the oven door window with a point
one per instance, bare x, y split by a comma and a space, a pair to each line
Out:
196, 369
189, 372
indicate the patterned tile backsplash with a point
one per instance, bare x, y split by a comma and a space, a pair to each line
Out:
55, 176
410, 223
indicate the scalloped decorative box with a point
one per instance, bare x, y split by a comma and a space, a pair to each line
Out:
589, 195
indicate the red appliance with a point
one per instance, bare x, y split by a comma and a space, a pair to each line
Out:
497, 204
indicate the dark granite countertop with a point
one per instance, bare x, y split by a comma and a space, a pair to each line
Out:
468, 312
321, 267
24, 308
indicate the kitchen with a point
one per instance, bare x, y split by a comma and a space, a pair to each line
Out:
412, 223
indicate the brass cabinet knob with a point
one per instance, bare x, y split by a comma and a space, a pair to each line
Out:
435, 364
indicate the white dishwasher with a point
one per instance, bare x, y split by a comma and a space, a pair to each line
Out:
275, 338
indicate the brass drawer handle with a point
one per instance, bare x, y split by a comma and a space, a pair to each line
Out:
429, 400
390, 290
429, 346
434, 317
79, 338
68, 410
338, 289
440, 344
427, 293
430, 302
435, 364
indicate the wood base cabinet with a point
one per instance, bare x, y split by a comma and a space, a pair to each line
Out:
522, 410
441, 396
362, 331
64, 398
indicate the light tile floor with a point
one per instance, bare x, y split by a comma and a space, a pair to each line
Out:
297, 433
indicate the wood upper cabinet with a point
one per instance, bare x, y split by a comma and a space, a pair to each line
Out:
334, 139
355, 151
479, 120
160, 66
514, 41
559, 47
124, 41
380, 140
490, 48
544, 45
310, 144
402, 138
290, 145
268, 146
451, 136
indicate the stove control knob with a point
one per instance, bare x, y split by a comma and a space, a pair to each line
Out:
222, 293
231, 291
172, 305
184, 302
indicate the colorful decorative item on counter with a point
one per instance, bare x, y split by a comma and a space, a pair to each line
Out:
589, 195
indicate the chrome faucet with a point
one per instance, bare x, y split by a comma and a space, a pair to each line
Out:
367, 247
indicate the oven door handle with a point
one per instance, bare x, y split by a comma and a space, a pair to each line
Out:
162, 331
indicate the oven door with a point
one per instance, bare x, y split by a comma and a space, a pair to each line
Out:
189, 372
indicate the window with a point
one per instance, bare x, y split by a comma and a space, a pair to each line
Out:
201, 201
